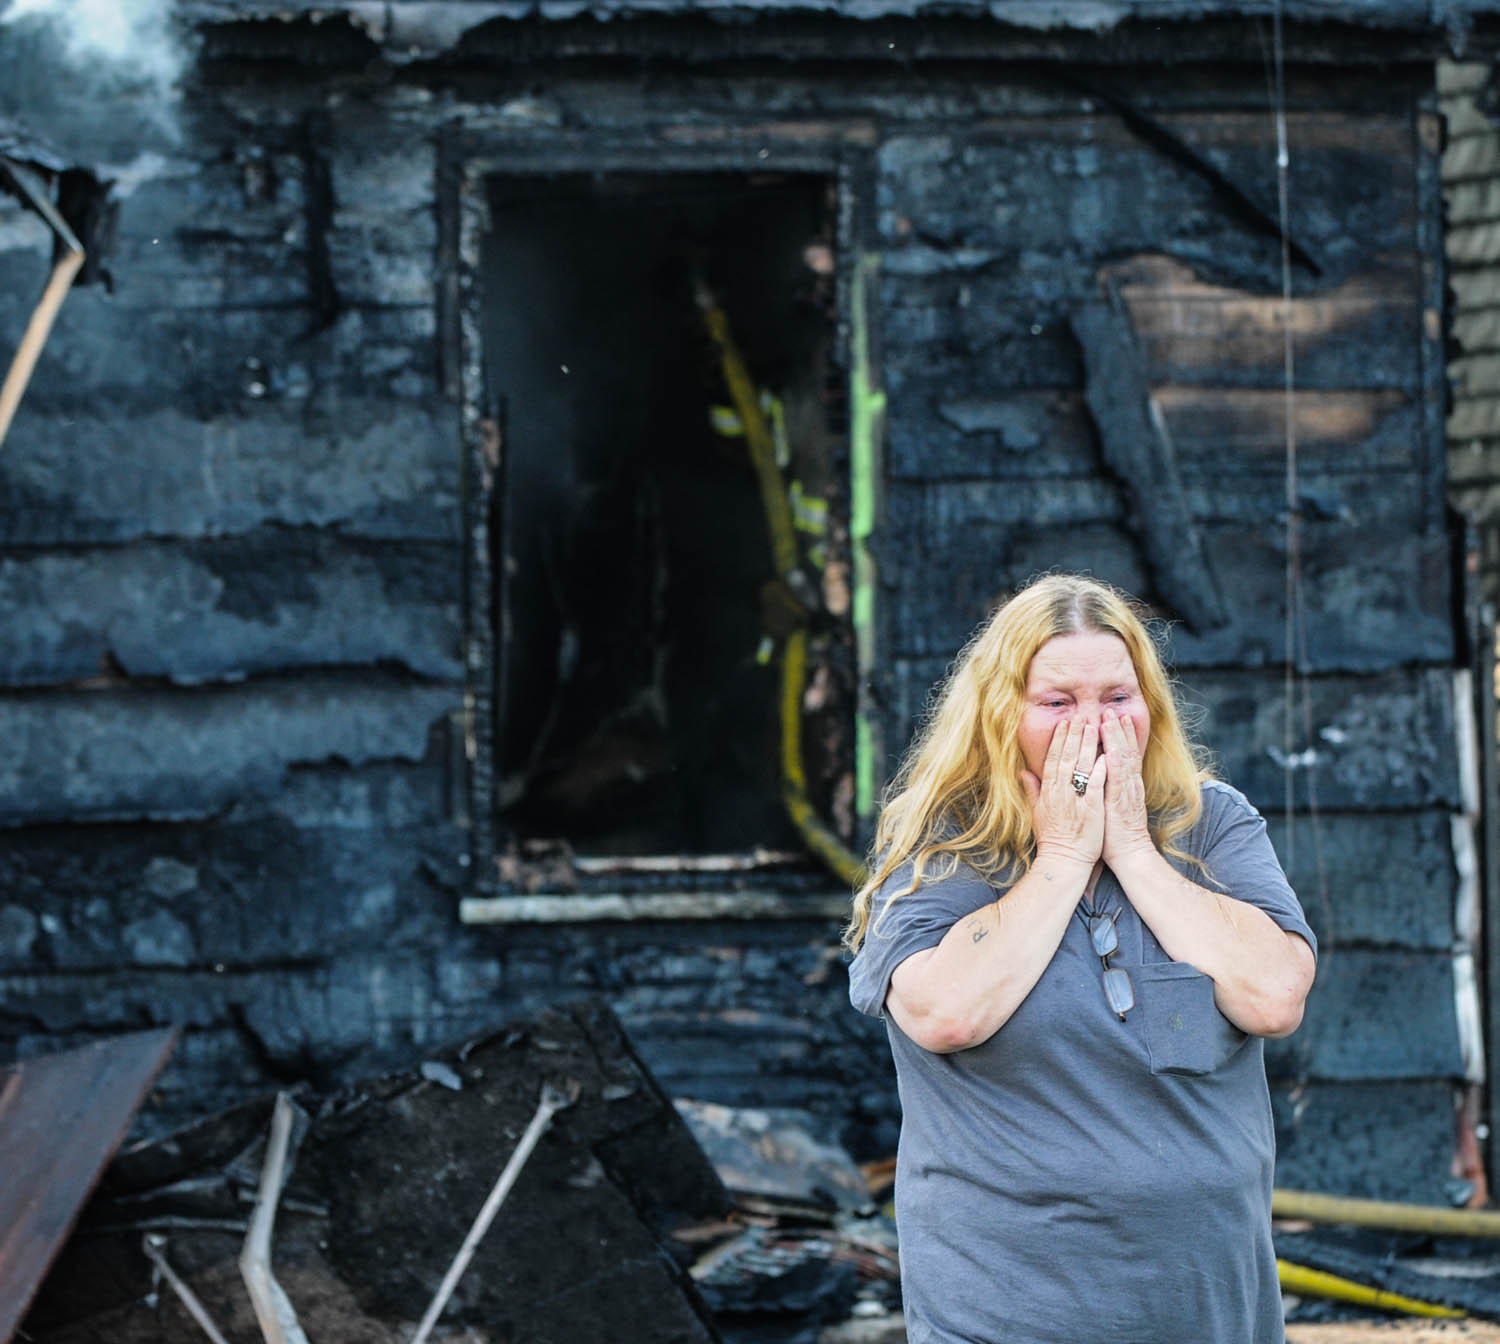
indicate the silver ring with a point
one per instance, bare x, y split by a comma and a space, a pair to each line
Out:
1080, 783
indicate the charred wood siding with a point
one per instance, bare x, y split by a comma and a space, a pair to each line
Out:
232, 577
233, 559
995, 241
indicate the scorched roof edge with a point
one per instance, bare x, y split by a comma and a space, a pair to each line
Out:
1077, 15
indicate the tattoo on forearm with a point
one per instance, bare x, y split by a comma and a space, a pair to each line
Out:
977, 930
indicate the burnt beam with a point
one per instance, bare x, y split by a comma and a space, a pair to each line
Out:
1154, 132
1135, 448
322, 289
894, 34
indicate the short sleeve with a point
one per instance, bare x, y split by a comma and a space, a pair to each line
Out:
1241, 861
908, 924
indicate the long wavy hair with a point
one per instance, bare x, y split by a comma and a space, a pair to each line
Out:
958, 796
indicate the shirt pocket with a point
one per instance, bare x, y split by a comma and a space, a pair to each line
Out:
1185, 1031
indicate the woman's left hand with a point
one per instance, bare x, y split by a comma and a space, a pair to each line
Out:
1126, 825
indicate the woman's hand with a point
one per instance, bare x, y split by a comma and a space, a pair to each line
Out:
1127, 828
1067, 823
963, 990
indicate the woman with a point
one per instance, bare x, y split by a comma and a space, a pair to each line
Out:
1077, 938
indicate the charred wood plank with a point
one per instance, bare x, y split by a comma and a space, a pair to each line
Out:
370, 466
1352, 759
1365, 610
1357, 334
968, 335
1221, 433
1388, 1140
1136, 450
960, 334
229, 228
61, 1119
172, 755
1245, 498
1384, 881
254, 1027
206, 1148
1223, 437
228, 608
1375, 1014
263, 891
1360, 612
224, 363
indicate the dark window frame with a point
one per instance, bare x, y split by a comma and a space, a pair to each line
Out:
842, 153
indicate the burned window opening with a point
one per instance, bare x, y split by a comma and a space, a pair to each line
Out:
640, 615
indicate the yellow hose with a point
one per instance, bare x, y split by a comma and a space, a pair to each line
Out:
818, 838
1384, 1213
762, 448
1317, 1283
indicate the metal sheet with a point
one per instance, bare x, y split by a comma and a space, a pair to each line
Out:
61, 1119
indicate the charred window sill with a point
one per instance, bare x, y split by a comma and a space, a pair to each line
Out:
571, 889
636, 906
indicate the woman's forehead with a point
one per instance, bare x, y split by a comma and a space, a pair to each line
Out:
1091, 656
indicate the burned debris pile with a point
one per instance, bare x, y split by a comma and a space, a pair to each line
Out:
616, 1225
385, 1185
535, 1184
809, 1248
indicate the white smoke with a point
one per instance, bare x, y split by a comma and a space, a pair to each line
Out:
133, 39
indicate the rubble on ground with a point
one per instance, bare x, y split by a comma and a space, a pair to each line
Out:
633, 1216
386, 1182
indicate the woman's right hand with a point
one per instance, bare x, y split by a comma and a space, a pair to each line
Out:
1066, 823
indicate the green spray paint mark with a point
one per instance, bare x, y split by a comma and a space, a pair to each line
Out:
867, 403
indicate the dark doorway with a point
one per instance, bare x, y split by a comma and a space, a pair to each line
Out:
637, 618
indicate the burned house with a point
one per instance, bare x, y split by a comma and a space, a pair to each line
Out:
495, 534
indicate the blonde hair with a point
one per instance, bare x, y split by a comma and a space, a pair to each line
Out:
958, 793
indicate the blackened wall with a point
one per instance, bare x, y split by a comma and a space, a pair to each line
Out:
234, 556
1019, 257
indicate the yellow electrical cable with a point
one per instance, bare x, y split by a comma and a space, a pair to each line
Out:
1316, 1283
762, 446
804, 816
818, 838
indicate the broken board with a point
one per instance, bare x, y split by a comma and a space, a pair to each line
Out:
61, 1119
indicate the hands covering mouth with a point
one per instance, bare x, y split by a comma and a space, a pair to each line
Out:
1108, 817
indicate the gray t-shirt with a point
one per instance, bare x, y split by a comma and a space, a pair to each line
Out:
1076, 1177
